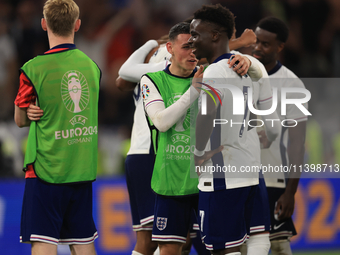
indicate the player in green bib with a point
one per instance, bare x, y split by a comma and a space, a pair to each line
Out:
62, 148
167, 96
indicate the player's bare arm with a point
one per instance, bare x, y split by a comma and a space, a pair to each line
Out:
296, 150
20, 117
247, 38
124, 85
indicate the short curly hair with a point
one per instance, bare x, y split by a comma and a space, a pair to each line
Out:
276, 26
218, 15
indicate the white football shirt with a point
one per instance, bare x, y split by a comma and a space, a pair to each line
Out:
276, 154
140, 135
236, 155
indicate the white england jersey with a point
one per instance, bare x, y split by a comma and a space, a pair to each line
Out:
231, 164
140, 135
276, 154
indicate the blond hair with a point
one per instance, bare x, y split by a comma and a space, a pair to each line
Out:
61, 16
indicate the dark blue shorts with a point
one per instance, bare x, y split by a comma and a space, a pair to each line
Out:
138, 170
225, 216
174, 218
283, 228
260, 219
57, 213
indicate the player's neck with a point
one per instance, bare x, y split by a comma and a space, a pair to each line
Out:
56, 40
221, 49
270, 66
179, 71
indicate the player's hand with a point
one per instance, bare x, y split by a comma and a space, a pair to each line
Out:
248, 37
207, 155
34, 112
240, 64
197, 81
285, 206
264, 142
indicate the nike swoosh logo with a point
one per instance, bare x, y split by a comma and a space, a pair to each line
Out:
278, 226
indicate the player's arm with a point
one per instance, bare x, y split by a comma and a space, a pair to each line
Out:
247, 38
271, 131
272, 128
164, 39
24, 116
271, 121
164, 118
204, 128
124, 85
246, 64
296, 150
20, 117
134, 67
23, 101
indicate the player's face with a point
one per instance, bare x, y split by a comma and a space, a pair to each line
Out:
200, 38
267, 46
182, 54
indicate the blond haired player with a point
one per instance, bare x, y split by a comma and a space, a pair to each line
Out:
62, 148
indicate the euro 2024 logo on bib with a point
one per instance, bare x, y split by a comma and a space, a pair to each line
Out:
75, 91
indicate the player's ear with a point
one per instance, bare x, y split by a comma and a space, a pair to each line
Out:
215, 35
43, 24
169, 47
77, 25
281, 46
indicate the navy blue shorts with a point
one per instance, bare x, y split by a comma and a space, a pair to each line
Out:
225, 216
260, 219
174, 218
57, 214
138, 170
283, 228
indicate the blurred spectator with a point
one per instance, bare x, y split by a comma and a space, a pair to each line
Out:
329, 39
307, 60
30, 39
108, 36
8, 64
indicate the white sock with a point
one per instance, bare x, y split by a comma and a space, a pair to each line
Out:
157, 251
281, 247
258, 244
233, 253
136, 253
